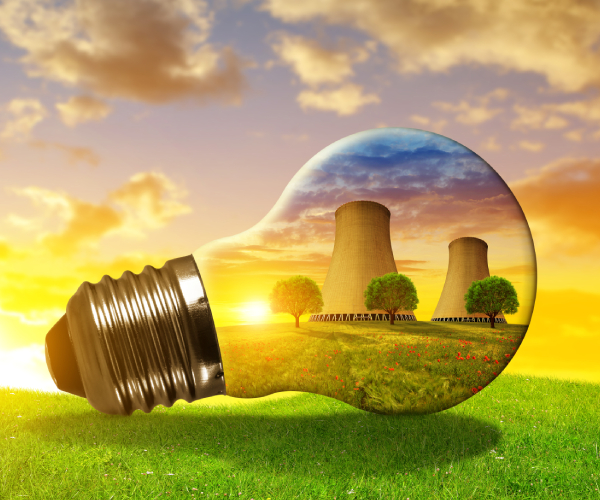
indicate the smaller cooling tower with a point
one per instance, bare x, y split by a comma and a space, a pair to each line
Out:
362, 251
468, 262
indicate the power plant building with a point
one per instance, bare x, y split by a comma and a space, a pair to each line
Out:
468, 262
362, 251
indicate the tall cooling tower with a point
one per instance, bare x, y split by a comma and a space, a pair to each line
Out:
468, 262
361, 252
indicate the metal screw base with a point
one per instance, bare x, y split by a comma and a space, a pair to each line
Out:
138, 341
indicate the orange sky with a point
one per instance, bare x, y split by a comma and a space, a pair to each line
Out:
136, 132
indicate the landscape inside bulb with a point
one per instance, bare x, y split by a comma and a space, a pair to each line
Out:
389, 200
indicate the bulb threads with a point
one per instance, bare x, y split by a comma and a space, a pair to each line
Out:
144, 340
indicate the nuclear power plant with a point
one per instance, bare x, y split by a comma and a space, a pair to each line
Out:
468, 262
362, 251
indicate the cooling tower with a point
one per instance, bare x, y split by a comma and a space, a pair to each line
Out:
362, 251
467, 263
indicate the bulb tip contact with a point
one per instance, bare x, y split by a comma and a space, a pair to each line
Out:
61, 361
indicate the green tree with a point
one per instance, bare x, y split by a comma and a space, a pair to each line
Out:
491, 296
297, 295
391, 293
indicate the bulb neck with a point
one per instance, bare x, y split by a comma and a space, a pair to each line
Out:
138, 341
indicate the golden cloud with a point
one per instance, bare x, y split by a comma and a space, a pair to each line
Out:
491, 144
537, 118
564, 196
25, 114
82, 108
574, 135
533, 146
144, 50
147, 201
314, 64
345, 100
435, 126
436, 36
35, 296
469, 114
74, 154
5, 250
87, 224
151, 199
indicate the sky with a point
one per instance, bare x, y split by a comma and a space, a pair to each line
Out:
135, 132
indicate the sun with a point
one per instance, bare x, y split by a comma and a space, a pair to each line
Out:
255, 311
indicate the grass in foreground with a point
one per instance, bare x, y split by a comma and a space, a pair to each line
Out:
521, 437
410, 367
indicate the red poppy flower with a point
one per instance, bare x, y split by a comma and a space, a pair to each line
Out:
507, 355
439, 361
479, 387
474, 389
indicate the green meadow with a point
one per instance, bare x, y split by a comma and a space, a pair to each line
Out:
409, 367
518, 437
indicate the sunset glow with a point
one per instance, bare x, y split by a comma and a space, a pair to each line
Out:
136, 132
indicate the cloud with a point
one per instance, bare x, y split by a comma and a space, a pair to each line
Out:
74, 154
407, 265
33, 298
574, 135
536, 118
469, 114
521, 269
345, 100
533, 146
145, 50
563, 196
548, 115
314, 64
81, 109
435, 126
147, 200
491, 144
5, 250
20, 222
150, 199
429, 35
24, 115
435, 189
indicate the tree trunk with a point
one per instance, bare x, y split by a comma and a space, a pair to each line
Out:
492, 318
297, 321
392, 318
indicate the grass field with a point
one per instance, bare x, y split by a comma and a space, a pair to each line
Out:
519, 437
412, 367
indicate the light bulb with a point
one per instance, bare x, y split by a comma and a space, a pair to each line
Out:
384, 202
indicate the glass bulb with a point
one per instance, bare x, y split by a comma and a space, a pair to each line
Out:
384, 202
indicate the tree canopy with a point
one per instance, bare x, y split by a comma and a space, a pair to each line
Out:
491, 296
391, 293
297, 295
